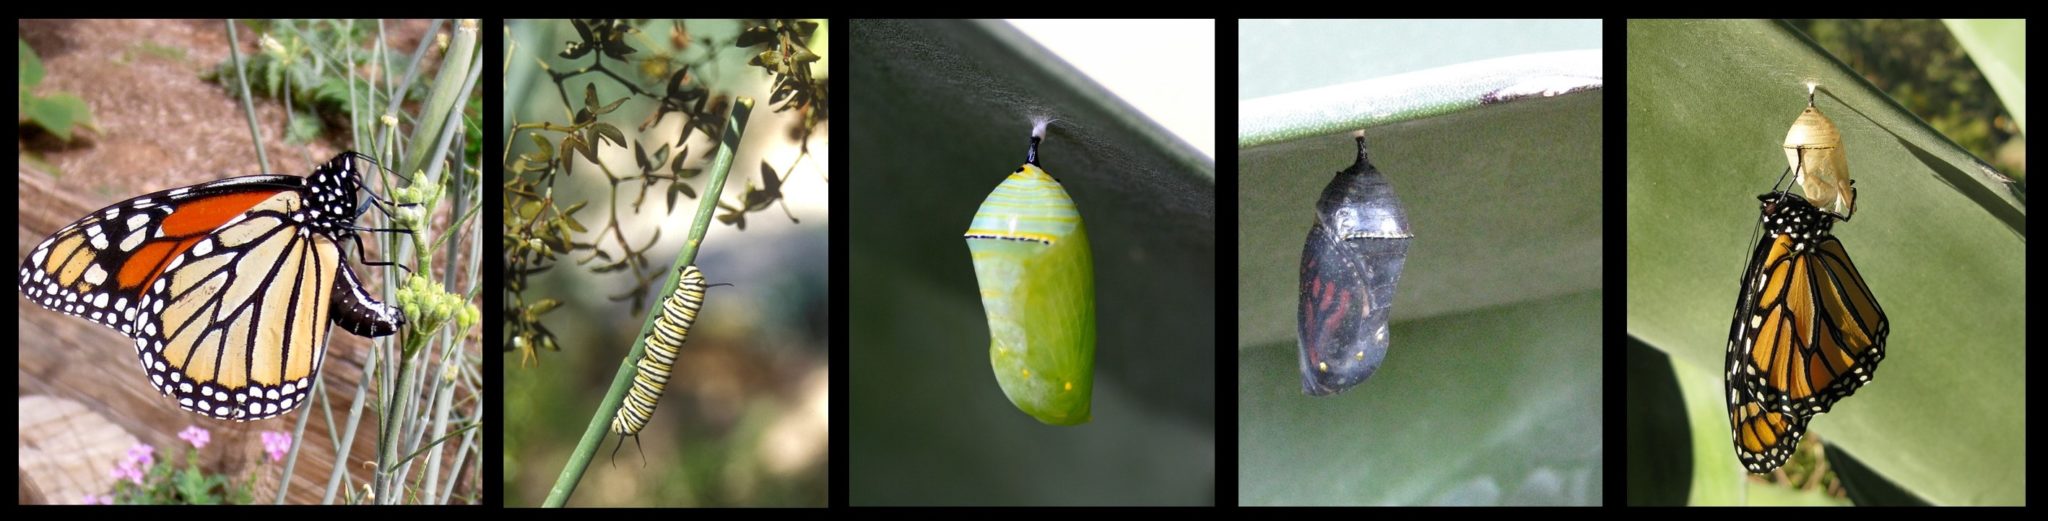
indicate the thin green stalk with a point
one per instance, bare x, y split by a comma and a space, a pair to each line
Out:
448, 90
298, 441
355, 417
594, 434
248, 105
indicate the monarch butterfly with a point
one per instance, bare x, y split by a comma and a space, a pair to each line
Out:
671, 329
1813, 149
1807, 330
227, 287
1038, 288
1349, 267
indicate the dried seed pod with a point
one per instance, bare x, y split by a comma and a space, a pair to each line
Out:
1348, 272
1813, 149
1037, 282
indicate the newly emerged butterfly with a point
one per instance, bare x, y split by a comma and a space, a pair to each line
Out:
1037, 284
1348, 272
228, 287
1807, 330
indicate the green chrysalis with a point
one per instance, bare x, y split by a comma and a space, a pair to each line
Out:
1038, 287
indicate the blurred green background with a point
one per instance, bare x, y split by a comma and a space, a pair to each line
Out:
1939, 236
744, 421
1491, 393
1922, 65
942, 112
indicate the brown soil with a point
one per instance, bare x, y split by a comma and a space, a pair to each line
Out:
161, 124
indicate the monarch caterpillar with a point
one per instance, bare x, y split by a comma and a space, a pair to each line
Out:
1807, 331
1813, 150
650, 376
1037, 283
1349, 269
229, 288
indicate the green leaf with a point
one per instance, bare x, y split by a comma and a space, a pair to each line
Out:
305, 127
191, 486
59, 113
1939, 237
608, 132
29, 67
1503, 199
544, 151
1454, 417
2000, 49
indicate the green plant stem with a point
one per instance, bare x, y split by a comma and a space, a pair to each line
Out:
595, 433
298, 441
248, 105
449, 89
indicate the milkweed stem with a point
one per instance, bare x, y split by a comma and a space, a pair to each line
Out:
595, 433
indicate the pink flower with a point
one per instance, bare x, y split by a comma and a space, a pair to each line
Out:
129, 472
98, 500
141, 455
276, 443
196, 436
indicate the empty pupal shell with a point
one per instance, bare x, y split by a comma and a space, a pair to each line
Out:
1813, 149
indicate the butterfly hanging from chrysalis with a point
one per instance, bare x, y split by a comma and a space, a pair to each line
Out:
1349, 269
1037, 284
1807, 330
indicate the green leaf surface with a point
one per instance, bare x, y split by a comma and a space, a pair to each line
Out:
1678, 446
2000, 49
1282, 56
1405, 97
946, 113
1504, 199
59, 113
1660, 470
1939, 237
1456, 416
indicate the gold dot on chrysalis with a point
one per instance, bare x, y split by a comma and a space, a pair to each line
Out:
1323, 366
1027, 372
1070, 386
1359, 356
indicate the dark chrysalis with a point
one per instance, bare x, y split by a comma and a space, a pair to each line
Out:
1348, 271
